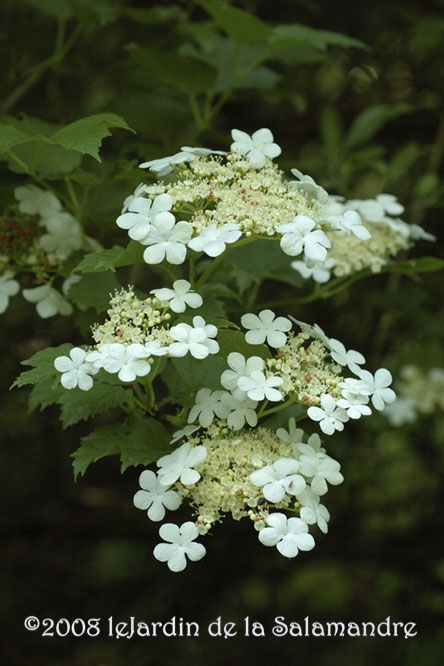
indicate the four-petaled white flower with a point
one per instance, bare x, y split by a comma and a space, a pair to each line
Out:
312, 511
266, 326
76, 370
141, 213
309, 186
35, 201
178, 466
350, 223
128, 361
64, 236
257, 386
318, 468
208, 405
180, 545
155, 496
49, 301
300, 235
352, 359
240, 367
256, 147
179, 296
375, 210
330, 416
291, 436
167, 240
289, 535
279, 478
240, 409
195, 339
377, 386
8, 287
354, 403
319, 272
213, 240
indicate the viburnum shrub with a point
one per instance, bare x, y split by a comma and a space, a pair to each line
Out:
226, 401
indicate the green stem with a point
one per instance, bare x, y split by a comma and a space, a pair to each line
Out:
215, 263
266, 412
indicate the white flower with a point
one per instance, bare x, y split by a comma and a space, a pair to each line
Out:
298, 235
180, 545
350, 223
35, 201
208, 405
279, 478
128, 361
64, 236
212, 240
167, 239
257, 147
309, 186
314, 331
319, 468
375, 210
291, 436
240, 409
49, 301
141, 212
179, 465
319, 272
195, 339
165, 165
312, 511
8, 287
354, 403
179, 296
377, 387
352, 359
140, 190
155, 496
402, 410
186, 431
76, 369
154, 348
266, 326
240, 367
289, 535
330, 416
258, 387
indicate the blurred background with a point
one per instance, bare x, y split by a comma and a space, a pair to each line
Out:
353, 94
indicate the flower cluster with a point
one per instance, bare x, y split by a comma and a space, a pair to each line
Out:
37, 236
418, 393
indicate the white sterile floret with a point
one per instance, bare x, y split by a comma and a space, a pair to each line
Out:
75, 369
35, 201
354, 403
178, 466
213, 239
312, 511
319, 272
8, 287
377, 386
279, 478
164, 165
186, 431
240, 367
330, 416
196, 339
300, 235
64, 236
140, 190
256, 147
240, 409
350, 223
289, 535
167, 240
318, 468
257, 386
208, 405
154, 348
49, 301
266, 326
128, 361
293, 435
352, 359
180, 545
309, 186
141, 212
179, 296
375, 210
155, 496
401, 411
314, 331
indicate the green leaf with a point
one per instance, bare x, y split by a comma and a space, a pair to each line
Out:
85, 135
10, 136
94, 289
42, 366
234, 341
368, 123
138, 441
77, 405
294, 33
412, 267
98, 262
132, 254
241, 26
43, 394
